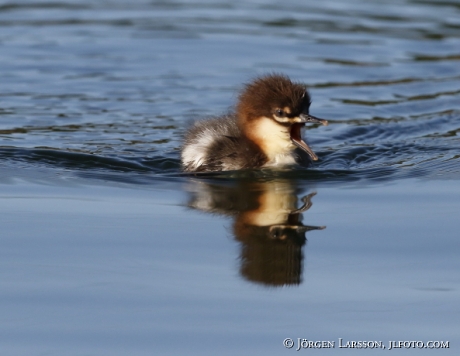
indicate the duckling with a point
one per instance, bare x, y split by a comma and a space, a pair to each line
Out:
263, 132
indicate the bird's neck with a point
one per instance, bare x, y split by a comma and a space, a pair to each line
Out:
272, 138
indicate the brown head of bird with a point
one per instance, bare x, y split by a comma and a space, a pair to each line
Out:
271, 113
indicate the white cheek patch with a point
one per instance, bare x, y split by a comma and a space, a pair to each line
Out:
275, 141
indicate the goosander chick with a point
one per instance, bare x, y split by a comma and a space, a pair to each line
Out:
263, 132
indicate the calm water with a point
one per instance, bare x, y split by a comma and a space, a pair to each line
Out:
107, 249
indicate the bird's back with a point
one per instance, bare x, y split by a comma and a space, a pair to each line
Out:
218, 145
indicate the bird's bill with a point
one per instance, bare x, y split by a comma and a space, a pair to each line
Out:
313, 119
296, 138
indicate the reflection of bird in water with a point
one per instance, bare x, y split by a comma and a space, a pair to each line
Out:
267, 222
264, 131
272, 249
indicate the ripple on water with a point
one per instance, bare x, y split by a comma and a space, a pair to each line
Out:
105, 89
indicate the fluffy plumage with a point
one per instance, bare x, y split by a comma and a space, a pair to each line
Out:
264, 130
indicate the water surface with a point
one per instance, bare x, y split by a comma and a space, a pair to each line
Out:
107, 248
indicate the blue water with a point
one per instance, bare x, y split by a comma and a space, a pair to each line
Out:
108, 249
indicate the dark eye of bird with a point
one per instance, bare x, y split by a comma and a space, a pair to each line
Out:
280, 113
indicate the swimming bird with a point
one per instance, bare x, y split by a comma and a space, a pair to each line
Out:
264, 131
